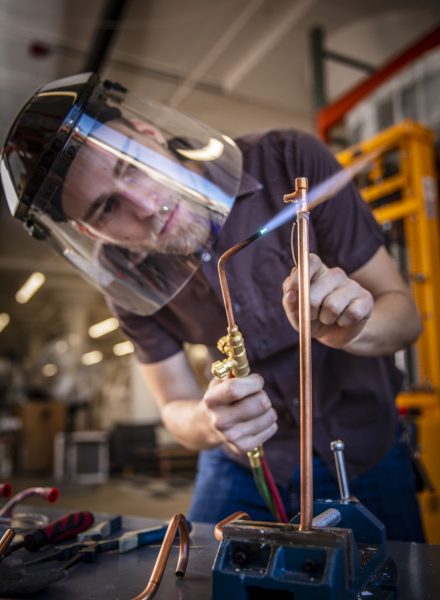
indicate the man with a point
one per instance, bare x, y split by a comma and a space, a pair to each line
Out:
138, 201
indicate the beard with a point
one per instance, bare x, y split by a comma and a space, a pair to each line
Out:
183, 235
186, 238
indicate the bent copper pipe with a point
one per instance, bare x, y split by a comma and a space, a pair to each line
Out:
178, 521
222, 275
5, 540
218, 531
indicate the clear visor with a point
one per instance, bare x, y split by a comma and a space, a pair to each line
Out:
142, 201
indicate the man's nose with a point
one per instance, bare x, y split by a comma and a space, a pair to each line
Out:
143, 206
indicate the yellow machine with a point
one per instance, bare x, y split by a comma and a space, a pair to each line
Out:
401, 188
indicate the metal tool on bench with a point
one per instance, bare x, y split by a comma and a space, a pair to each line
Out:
332, 550
38, 574
101, 530
87, 550
60, 530
17, 580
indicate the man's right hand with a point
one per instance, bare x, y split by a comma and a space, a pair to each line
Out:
240, 412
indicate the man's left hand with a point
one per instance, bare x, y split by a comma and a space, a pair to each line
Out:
339, 306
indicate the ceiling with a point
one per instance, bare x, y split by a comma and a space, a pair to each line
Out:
239, 65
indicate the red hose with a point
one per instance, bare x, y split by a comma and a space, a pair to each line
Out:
274, 491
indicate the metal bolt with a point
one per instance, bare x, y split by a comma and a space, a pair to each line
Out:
240, 558
337, 447
310, 565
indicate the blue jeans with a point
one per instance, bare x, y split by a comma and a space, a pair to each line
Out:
388, 491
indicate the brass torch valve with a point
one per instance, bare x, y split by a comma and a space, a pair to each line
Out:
236, 365
236, 362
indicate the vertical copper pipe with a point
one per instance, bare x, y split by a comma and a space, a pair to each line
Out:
305, 345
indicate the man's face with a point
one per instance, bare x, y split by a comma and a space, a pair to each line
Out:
117, 201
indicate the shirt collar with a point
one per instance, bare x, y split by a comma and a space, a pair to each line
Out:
248, 185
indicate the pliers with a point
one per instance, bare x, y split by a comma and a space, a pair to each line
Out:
88, 550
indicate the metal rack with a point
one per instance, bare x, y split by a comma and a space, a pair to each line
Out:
401, 188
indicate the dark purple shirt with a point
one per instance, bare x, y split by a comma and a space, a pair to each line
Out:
353, 396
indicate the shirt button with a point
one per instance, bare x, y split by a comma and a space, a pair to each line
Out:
295, 402
206, 257
263, 343
236, 306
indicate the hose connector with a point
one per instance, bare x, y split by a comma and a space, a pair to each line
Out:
255, 457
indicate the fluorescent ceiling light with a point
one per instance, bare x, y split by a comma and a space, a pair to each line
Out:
4, 320
49, 370
91, 358
61, 346
30, 287
123, 348
100, 329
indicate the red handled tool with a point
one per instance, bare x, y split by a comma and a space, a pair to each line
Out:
60, 530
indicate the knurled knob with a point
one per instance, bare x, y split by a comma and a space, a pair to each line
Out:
222, 344
222, 368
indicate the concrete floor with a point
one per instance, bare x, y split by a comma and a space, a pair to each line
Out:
134, 495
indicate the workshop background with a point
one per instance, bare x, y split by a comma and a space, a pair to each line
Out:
74, 410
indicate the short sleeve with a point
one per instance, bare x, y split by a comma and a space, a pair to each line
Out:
152, 341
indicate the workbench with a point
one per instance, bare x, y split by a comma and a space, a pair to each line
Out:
123, 576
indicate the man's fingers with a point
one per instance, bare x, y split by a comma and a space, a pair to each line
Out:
225, 417
322, 290
334, 297
357, 311
227, 391
249, 442
316, 269
250, 428
350, 300
333, 305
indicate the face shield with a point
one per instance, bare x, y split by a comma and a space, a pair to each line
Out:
131, 193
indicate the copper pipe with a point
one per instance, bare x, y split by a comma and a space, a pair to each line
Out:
299, 197
305, 346
5, 540
218, 531
222, 275
242, 367
178, 521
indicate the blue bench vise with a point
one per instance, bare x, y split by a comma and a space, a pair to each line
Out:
347, 560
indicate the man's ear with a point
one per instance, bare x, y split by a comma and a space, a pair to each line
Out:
148, 129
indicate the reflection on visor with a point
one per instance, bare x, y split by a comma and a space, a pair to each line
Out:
96, 273
160, 168
141, 284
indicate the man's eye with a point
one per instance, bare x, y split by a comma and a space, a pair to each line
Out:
109, 206
129, 172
